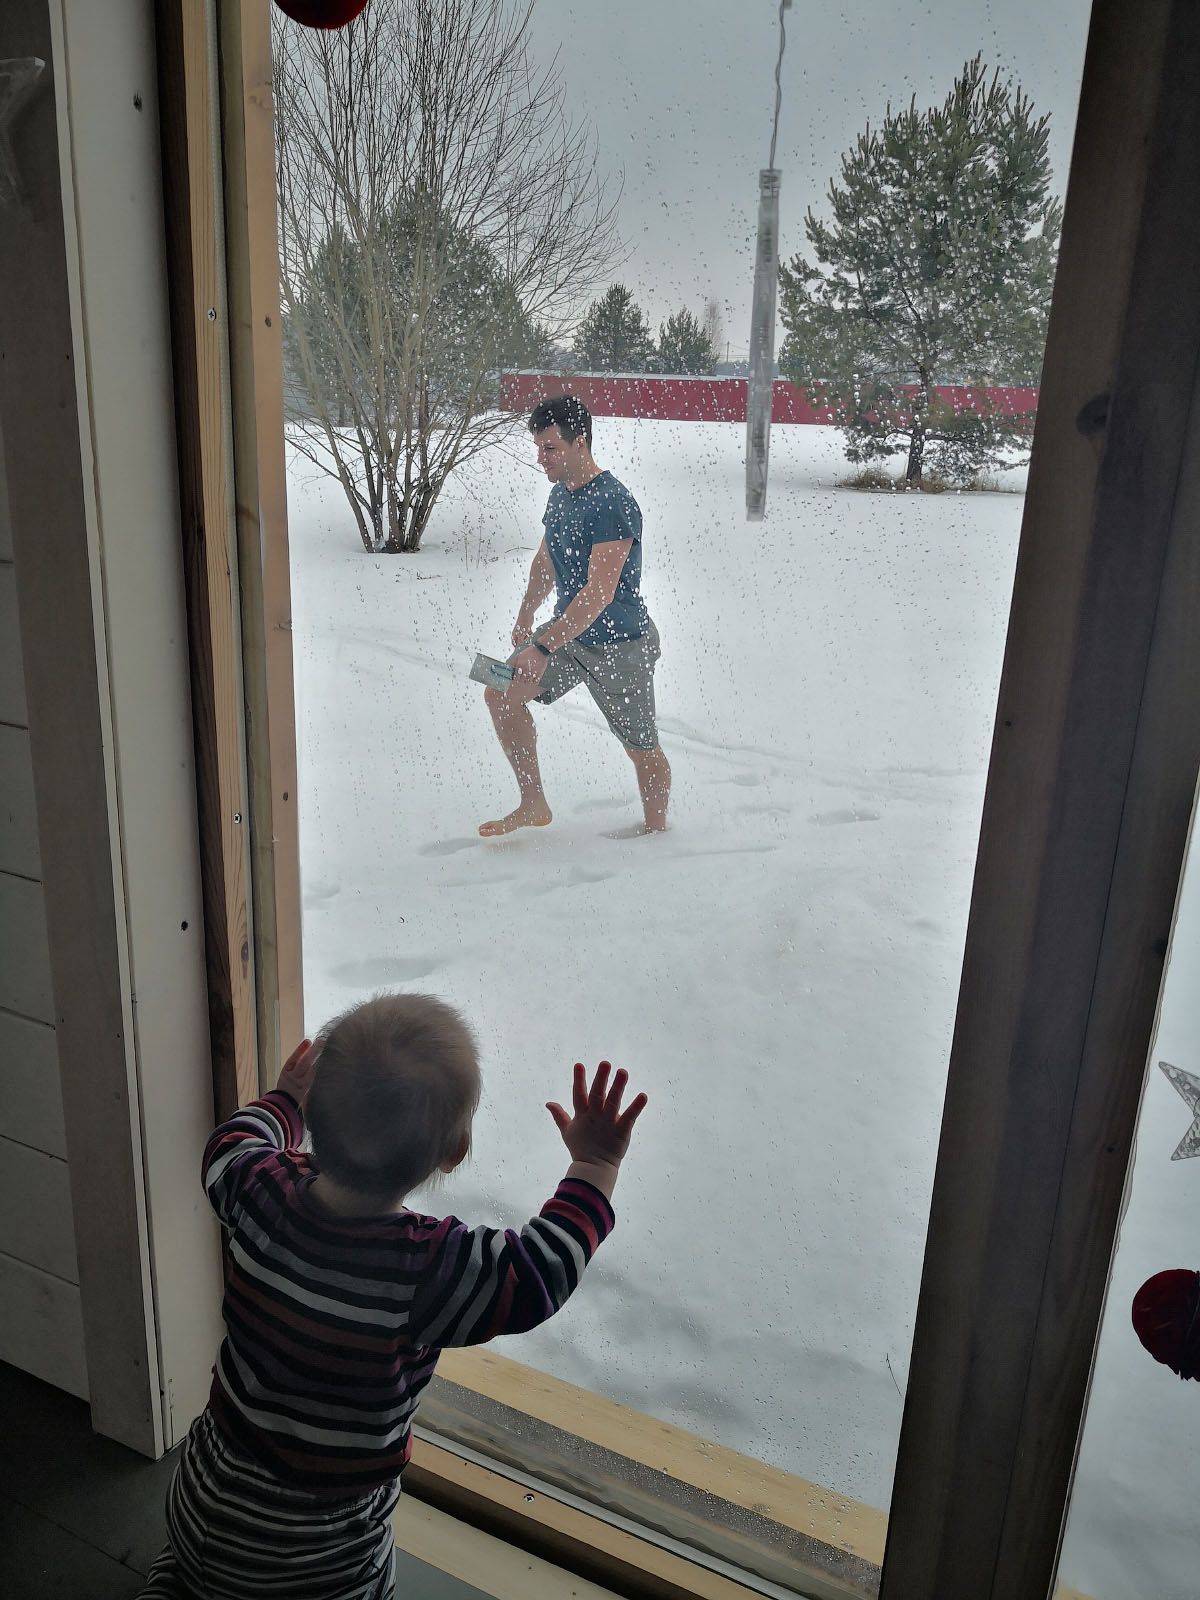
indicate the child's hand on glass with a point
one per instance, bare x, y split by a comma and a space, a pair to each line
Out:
296, 1075
598, 1133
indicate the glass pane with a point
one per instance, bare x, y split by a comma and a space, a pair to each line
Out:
779, 969
1132, 1527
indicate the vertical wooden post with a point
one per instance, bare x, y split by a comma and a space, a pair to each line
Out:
1089, 796
196, 273
256, 382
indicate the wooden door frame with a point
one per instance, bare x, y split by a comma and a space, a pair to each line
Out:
1085, 825
1089, 791
219, 200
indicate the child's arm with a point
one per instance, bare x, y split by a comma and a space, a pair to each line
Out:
598, 1133
261, 1129
486, 1281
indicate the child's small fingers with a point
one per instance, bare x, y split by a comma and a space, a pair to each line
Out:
298, 1054
632, 1112
620, 1079
599, 1086
579, 1089
561, 1120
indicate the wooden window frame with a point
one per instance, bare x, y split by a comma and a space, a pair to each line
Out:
1089, 793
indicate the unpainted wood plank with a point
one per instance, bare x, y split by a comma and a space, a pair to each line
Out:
25, 982
567, 1537
496, 1568
1085, 819
19, 851
13, 706
31, 1108
805, 1507
1156, 803
256, 385
188, 97
35, 1210
41, 1330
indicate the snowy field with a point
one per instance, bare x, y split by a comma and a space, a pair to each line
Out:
779, 971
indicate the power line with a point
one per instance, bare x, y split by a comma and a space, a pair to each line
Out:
784, 5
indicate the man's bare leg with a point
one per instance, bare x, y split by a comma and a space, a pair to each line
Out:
654, 783
518, 739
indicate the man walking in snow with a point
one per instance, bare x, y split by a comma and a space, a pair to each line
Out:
601, 634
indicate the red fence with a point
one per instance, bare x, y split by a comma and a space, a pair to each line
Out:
717, 399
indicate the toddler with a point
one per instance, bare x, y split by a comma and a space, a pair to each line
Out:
338, 1298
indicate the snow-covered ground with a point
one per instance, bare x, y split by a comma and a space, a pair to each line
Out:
779, 971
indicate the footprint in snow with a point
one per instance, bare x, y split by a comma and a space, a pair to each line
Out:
384, 970
829, 819
478, 882
734, 850
447, 847
574, 879
319, 894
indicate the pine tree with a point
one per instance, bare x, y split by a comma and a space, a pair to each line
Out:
937, 268
685, 346
613, 336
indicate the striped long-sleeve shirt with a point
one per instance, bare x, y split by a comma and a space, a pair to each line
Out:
333, 1327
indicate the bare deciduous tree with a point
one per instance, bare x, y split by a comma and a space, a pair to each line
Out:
440, 216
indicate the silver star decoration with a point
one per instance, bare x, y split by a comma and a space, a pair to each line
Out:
1188, 1086
18, 79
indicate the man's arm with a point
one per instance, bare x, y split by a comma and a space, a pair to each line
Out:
605, 565
540, 585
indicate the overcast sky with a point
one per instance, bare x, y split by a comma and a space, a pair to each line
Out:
681, 95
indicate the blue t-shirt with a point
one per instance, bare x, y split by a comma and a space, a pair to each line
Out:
577, 519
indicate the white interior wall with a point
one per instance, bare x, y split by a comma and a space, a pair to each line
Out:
106, 75
41, 1329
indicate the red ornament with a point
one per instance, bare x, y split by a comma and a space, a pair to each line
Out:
1166, 1318
322, 13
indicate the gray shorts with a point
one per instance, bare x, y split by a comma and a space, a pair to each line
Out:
620, 679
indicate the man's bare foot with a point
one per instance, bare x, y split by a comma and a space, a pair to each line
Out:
525, 816
636, 830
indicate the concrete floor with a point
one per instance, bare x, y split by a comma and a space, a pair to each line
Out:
81, 1518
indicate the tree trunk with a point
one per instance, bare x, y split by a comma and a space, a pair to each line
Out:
424, 496
916, 454
916, 443
364, 531
397, 509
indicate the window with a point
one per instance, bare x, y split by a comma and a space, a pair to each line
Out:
780, 969
796, 839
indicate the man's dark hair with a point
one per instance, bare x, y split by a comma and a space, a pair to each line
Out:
567, 413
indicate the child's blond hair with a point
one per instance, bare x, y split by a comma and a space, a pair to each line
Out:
395, 1090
